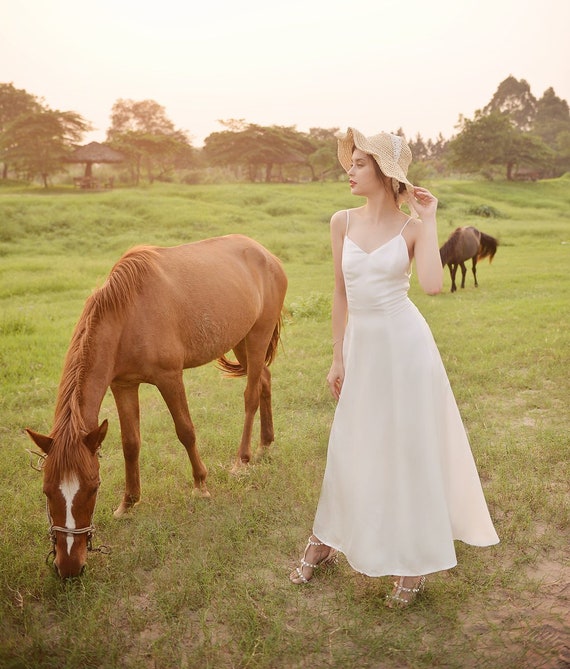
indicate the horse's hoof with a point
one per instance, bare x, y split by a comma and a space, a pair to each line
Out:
123, 509
201, 493
261, 453
239, 468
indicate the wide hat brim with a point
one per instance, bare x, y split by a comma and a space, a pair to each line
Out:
391, 152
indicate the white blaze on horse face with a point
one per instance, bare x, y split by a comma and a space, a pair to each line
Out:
69, 487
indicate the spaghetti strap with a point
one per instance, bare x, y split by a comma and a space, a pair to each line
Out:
347, 222
406, 223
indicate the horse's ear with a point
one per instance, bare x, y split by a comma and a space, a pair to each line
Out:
41, 440
95, 438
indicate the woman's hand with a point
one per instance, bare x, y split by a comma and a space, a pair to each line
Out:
335, 377
426, 251
423, 202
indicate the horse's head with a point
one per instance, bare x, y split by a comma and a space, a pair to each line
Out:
71, 482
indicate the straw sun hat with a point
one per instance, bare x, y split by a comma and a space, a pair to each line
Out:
391, 153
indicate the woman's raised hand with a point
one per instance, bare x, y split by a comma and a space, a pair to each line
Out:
423, 202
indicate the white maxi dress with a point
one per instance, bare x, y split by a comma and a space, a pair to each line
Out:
400, 482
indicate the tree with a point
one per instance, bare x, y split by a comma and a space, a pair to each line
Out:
563, 152
481, 142
37, 142
257, 147
323, 159
420, 149
428, 157
491, 139
552, 117
142, 131
514, 99
14, 102
532, 153
514, 130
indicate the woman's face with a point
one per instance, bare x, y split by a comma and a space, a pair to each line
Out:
362, 175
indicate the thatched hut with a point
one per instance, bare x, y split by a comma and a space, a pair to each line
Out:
94, 152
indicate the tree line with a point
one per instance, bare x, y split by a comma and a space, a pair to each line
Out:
515, 135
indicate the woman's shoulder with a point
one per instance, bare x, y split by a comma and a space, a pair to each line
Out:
342, 216
339, 218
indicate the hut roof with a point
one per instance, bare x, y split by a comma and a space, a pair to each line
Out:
94, 152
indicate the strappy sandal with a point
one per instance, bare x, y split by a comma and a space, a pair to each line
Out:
402, 596
297, 577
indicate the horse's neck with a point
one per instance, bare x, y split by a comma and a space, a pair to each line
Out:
88, 372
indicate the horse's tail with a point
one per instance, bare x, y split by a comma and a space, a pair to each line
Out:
230, 368
274, 342
487, 246
235, 369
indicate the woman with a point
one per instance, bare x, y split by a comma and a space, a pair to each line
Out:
400, 483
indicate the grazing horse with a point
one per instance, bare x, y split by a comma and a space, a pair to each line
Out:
161, 310
464, 244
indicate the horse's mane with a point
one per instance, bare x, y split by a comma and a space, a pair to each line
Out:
122, 285
447, 250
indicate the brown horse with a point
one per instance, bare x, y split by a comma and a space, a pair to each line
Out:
160, 311
464, 244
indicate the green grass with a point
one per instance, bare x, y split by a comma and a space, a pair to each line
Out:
194, 583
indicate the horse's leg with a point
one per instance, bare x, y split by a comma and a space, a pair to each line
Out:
127, 401
251, 356
453, 272
463, 273
474, 269
171, 388
267, 434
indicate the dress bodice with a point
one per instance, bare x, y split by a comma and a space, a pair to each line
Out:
378, 280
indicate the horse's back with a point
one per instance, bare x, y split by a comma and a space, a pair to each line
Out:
463, 243
204, 297
220, 268
471, 241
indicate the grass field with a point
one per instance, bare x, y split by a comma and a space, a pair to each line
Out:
195, 583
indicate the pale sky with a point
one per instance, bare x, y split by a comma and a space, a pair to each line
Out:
372, 64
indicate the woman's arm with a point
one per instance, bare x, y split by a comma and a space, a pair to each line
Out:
426, 247
335, 376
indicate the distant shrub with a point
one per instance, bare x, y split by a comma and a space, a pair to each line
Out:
485, 211
314, 305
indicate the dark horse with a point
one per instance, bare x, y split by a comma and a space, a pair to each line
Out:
464, 244
161, 310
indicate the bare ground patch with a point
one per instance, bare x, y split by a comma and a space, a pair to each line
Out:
527, 628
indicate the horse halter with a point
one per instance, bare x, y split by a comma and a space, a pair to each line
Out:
88, 530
